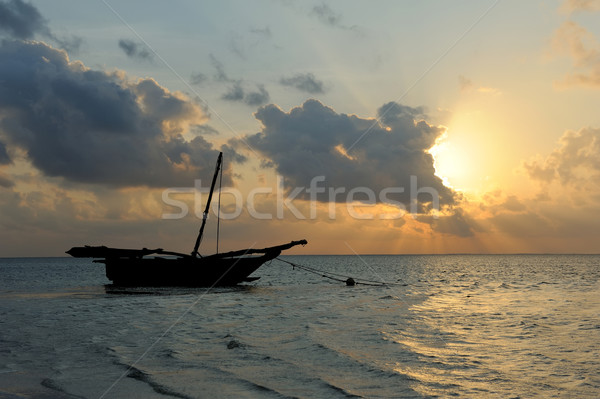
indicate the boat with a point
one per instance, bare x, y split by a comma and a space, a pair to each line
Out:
159, 268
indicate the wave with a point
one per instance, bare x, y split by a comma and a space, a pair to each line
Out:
139, 375
53, 385
341, 390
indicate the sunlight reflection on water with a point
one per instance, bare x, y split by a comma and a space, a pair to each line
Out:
520, 336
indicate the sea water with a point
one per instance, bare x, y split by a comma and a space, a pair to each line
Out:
515, 326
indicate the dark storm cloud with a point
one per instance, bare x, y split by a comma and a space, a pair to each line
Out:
4, 158
259, 97
304, 82
96, 127
5, 181
135, 50
21, 20
312, 140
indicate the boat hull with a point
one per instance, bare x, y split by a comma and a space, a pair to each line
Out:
183, 272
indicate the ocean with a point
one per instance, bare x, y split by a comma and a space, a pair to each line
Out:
506, 326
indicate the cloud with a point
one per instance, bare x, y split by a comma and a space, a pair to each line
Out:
304, 82
259, 97
489, 90
237, 46
350, 159
570, 6
22, 20
564, 223
242, 44
4, 158
220, 75
313, 140
513, 204
264, 32
204, 130
329, 17
526, 224
237, 93
198, 78
326, 15
5, 181
95, 127
567, 205
576, 162
135, 50
455, 224
466, 85
583, 48
70, 45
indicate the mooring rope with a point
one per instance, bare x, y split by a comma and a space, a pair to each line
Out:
344, 278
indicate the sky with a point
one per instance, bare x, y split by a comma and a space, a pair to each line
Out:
389, 127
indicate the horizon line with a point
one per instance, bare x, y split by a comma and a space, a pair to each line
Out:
381, 254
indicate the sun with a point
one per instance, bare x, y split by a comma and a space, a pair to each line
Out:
436, 152
451, 163
459, 160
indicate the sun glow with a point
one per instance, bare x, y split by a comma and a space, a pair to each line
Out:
439, 147
452, 164
467, 156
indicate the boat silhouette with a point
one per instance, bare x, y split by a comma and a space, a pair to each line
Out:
160, 268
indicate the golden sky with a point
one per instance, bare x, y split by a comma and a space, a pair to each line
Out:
386, 127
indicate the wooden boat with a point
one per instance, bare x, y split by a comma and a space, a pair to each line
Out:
136, 268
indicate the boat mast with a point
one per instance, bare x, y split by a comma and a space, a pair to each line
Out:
219, 207
205, 214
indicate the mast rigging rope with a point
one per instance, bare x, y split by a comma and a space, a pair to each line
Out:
337, 276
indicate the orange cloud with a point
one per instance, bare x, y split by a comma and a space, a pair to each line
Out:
570, 6
574, 41
575, 163
467, 85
